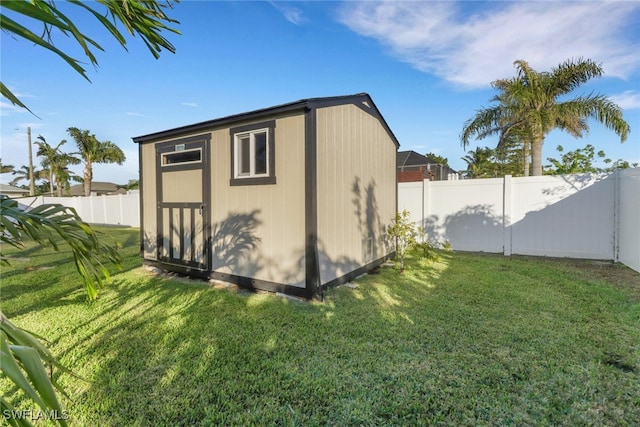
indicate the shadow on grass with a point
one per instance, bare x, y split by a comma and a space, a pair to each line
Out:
466, 340
176, 352
52, 276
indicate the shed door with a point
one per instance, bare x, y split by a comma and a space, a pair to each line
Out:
183, 203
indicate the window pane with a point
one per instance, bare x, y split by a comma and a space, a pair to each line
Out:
244, 156
261, 153
181, 157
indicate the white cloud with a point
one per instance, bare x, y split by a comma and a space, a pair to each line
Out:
135, 114
627, 100
189, 104
290, 13
471, 43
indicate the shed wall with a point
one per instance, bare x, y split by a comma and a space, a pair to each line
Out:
258, 230
148, 201
356, 189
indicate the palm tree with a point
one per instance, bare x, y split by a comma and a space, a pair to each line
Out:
6, 168
480, 163
94, 151
23, 173
24, 356
145, 19
528, 105
55, 164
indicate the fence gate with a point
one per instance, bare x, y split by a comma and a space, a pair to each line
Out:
183, 200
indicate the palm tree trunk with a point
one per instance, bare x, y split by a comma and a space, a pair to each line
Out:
88, 176
527, 155
536, 157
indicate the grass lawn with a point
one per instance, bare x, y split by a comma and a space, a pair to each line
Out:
471, 339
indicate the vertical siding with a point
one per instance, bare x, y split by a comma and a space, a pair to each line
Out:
356, 189
182, 186
148, 201
258, 230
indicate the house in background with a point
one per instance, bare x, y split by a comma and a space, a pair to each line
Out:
413, 166
97, 189
13, 192
293, 198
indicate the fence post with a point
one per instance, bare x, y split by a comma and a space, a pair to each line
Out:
425, 205
507, 215
616, 215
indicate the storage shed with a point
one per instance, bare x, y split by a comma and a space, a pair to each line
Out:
293, 198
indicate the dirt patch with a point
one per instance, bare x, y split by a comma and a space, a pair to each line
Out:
615, 274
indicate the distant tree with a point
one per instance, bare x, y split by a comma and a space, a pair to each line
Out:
6, 168
439, 159
512, 155
56, 164
529, 106
133, 184
582, 160
143, 18
620, 164
481, 163
93, 151
22, 173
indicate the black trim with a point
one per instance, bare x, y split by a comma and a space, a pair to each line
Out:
141, 201
312, 270
262, 285
242, 281
262, 180
303, 104
355, 273
201, 142
181, 157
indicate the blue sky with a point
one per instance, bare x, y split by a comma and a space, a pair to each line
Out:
427, 65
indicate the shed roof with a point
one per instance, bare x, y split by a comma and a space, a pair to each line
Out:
303, 104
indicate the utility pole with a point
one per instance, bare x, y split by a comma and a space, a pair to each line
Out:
32, 184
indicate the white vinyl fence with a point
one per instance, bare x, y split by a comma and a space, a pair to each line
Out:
593, 216
577, 216
120, 209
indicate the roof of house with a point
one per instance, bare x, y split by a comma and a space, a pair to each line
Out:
362, 100
10, 189
97, 187
411, 158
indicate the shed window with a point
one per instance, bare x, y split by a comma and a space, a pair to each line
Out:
253, 157
185, 156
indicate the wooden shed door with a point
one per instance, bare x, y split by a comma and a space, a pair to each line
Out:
183, 203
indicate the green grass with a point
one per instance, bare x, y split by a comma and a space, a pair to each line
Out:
470, 339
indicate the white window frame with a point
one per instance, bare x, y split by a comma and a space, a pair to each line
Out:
252, 154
